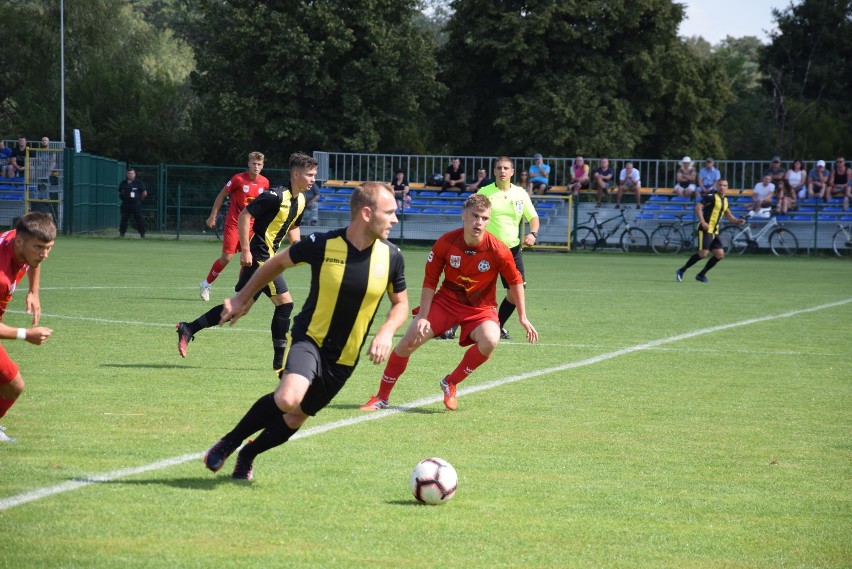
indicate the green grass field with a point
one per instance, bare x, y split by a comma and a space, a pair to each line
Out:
656, 424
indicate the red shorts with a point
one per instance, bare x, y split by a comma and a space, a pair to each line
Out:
8, 368
446, 313
230, 239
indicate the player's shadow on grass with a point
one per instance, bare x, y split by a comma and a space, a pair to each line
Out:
401, 408
411, 502
195, 483
175, 366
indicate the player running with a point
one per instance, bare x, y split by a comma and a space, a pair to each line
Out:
22, 250
275, 213
242, 188
471, 259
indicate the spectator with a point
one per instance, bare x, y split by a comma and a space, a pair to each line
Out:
401, 190
5, 157
628, 179
539, 174
817, 182
786, 196
603, 176
524, 182
481, 181
312, 197
775, 170
708, 177
838, 182
685, 179
796, 179
18, 160
132, 193
579, 177
45, 161
454, 177
761, 197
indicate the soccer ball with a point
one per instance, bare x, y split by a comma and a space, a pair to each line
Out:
434, 481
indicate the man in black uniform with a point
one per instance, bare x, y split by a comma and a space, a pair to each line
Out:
276, 213
132, 192
351, 270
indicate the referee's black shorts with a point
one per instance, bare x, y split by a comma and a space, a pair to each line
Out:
518, 255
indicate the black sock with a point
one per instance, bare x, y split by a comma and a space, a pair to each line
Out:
710, 264
692, 260
261, 414
275, 434
505, 312
281, 324
207, 320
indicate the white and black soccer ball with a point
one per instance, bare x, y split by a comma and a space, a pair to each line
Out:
434, 481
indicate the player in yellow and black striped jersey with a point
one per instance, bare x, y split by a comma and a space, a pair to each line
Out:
275, 213
351, 270
710, 211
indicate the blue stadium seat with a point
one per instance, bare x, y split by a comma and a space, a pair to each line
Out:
653, 207
680, 199
644, 216
782, 217
666, 216
826, 218
426, 193
802, 218
432, 210
658, 198
846, 218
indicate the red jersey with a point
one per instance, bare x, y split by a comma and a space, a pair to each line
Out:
11, 269
243, 190
470, 271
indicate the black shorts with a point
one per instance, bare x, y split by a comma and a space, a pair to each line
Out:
327, 378
518, 255
708, 241
276, 287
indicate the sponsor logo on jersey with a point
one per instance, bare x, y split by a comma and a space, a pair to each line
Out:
380, 270
455, 261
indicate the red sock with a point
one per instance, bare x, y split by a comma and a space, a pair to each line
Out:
5, 404
217, 268
395, 368
472, 359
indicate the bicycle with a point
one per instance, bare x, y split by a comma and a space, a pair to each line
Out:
841, 242
219, 226
595, 236
741, 239
672, 237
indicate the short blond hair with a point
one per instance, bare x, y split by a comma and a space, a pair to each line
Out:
256, 156
367, 195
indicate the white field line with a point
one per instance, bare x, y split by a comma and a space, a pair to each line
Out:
70, 485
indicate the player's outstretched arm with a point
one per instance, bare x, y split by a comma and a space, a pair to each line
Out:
235, 307
520, 306
33, 303
382, 343
37, 335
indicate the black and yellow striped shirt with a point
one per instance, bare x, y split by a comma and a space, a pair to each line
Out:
347, 286
714, 207
275, 213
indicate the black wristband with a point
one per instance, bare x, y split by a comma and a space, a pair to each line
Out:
534, 234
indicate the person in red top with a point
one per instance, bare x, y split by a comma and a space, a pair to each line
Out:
22, 251
471, 260
243, 188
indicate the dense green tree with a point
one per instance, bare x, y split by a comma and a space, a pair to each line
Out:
808, 77
124, 90
282, 76
747, 128
577, 77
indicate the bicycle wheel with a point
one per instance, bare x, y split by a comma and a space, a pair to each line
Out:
841, 243
584, 238
783, 242
635, 240
733, 240
219, 226
667, 239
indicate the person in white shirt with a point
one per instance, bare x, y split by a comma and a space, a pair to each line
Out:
628, 179
762, 195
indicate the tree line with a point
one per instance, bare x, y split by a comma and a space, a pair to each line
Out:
205, 81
